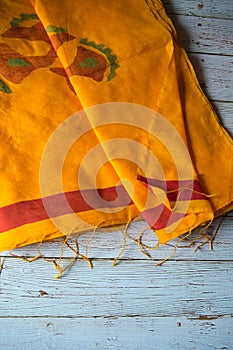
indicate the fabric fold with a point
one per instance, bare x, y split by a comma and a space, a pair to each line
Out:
149, 144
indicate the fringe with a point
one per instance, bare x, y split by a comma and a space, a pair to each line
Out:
188, 240
1, 265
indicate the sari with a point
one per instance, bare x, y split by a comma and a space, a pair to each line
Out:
103, 122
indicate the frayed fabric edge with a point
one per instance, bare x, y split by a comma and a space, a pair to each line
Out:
202, 236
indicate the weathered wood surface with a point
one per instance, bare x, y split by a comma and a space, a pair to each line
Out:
201, 8
205, 35
134, 333
187, 303
193, 289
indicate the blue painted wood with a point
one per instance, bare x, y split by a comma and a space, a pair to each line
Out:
137, 333
178, 288
206, 8
184, 304
205, 35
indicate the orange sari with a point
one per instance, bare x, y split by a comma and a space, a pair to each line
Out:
103, 122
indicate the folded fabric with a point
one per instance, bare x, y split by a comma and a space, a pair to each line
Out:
103, 122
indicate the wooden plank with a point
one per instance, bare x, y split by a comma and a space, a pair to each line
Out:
224, 111
215, 75
202, 8
205, 35
107, 245
176, 289
139, 333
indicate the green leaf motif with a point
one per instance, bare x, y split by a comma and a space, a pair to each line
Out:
89, 62
4, 88
53, 29
23, 17
107, 52
17, 62
112, 73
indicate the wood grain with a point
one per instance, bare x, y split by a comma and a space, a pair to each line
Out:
215, 74
224, 111
200, 8
185, 303
134, 333
204, 35
178, 288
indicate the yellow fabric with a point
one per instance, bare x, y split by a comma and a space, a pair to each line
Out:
57, 58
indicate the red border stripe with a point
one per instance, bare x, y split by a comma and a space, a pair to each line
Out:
180, 189
159, 217
26, 212
30, 211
